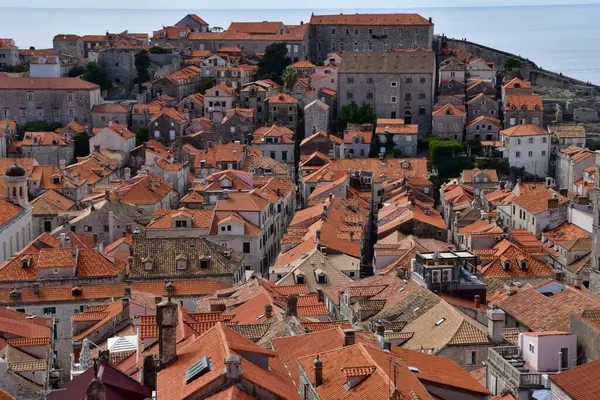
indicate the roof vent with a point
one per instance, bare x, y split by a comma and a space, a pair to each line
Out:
198, 369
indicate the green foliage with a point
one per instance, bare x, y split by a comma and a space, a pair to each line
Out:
16, 68
97, 74
207, 84
273, 62
158, 50
512, 63
142, 64
39, 126
141, 136
289, 77
443, 148
499, 164
76, 70
473, 147
82, 144
352, 112
216, 29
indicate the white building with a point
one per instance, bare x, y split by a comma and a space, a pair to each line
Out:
527, 146
538, 210
44, 67
116, 137
15, 219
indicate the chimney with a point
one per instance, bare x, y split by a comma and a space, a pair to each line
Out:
63, 240
349, 337
318, 233
233, 369
127, 174
104, 357
553, 202
477, 302
97, 148
107, 194
318, 371
381, 156
167, 318
320, 298
430, 20
495, 324
380, 330
268, 310
292, 306
36, 288
217, 307
127, 292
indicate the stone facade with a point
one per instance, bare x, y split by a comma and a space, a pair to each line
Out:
283, 112
481, 105
30, 99
69, 44
9, 53
120, 64
401, 85
49, 154
367, 33
101, 118
595, 272
316, 118
254, 96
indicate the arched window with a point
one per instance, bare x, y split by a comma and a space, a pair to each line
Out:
20, 191
14, 192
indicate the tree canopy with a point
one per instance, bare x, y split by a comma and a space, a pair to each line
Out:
97, 74
142, 65
352, 112
82, 144
75, 71
273, 62
39, 126
207, 84
289, 77
158, 50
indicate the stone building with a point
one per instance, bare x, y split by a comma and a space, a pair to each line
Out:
236, 76
527, 146
484, 128
276, 142
68, 44
63, 100
316, 117
449, 122
217, 100
595, 271
254, 96
404, 137
357, 143
168, 125
120, 64
238, 125
194, 105
481, 105
400, 85
115, 137
9, 53
48, 148
47, 211
102, 114
523, 109
283, 110
141, 114
368, 33
570, 165
194, 22
179, 84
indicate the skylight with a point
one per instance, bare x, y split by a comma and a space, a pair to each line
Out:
197, 369
440, 321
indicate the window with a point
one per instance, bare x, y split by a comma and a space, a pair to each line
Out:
385, 31
407, 96
407, 80
38, 111
393, 84
30, 96
181, 224
369, 95
347, 31
49, 310
246, 247
333, 31
355, 46
356, 31
370, 46
421, 110
543, 153
333, 45
22, 112
319, 46
530, 154
416, 31
422, 80
272, 155
350, 80
400, 31
69, 96
471, 358
369, 80
349, 95
71, 112
55, 112
531, 348
518, 141
385, 46
518, 154
393, 100
5, 112
513, 121
284, 156
544, 140
370, 31
422, 96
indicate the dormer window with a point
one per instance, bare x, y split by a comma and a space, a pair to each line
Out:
181, 261
204, 262
299, 277
513, 108
321, 276
523, 108
76, 291
26, 262
506, 265
536, 108
181, 224
56, 179
523, 265
169, 287
148, 263
15, 294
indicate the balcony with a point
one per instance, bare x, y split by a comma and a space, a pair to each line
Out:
508, 361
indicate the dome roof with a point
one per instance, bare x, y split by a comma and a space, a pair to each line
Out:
15, 170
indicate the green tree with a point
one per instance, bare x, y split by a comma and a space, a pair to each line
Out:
97, 74
473, 147
76, 70
158, 50
207, 84
16, 68
512, 63
39, 126
499, 164
82, 144
141, 136
289, 77
352, 112
216, 29
273, 62
142, 64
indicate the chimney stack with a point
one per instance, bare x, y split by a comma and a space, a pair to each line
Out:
127, 292
232, 367
292, 306
97, 148
349, 337
318, 371
268, 310
495, 324
380, 330
167, 318
477, 302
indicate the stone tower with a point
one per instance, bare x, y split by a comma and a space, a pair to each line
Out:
16, 185
595, 197
167, 318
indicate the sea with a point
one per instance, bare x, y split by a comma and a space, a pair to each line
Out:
560, 38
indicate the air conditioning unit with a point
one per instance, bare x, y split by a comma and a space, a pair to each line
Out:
447, 275
436, 276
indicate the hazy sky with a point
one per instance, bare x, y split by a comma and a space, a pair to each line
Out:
277, 4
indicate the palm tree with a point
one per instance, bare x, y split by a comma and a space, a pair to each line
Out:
289, 77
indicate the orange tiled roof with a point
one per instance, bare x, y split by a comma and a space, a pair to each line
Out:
147, 189
449, 109
469, 174
23, 83
581, 382
525, 130
8, 211
536, 201
532, 102
265, 27
201, 218
109, 108
281, 98
29, 342
515, 256
484, 118
517, 83
194, 287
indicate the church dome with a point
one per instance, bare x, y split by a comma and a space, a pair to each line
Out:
15, 170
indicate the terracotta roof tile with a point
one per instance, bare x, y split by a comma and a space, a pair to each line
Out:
24, 83
369, 19
536, 201
281, 98
580, 382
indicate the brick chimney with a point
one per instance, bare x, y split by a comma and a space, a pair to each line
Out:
268, 310
167, 318
349, 337
292, 306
